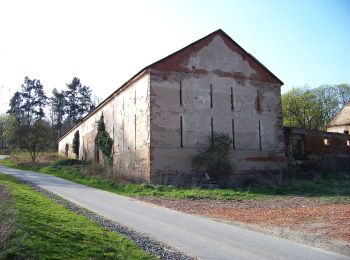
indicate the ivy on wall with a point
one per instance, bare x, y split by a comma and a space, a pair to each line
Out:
103, 141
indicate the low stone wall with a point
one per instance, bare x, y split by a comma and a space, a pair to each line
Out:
318, 149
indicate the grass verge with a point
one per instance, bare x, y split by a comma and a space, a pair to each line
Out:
46, 230
7, 219
74, 172
328, 187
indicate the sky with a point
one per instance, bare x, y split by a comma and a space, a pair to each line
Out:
104, 43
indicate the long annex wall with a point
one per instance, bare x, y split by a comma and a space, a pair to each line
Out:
126, 116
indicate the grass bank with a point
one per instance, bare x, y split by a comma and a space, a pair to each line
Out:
70, 170
46, 230
7, 219
328, 186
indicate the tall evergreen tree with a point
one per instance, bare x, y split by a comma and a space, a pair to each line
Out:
72, 105
34, 100
15, 106
86, 104
57, 104
79, 101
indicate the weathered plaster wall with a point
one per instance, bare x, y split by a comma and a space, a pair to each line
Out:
338, 129
126, 116
253, 101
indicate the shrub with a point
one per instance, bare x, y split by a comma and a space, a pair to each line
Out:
216, 158
76, 143
103, 141
66, 162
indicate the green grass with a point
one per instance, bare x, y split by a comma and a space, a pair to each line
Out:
74, 173
46, 230
327, 187
64, 169
9, 163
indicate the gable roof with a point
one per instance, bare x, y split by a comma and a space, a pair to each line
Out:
342, 118
172, 61
161, 64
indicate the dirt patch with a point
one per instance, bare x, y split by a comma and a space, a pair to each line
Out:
316, 222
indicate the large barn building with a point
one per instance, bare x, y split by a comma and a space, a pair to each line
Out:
163, 115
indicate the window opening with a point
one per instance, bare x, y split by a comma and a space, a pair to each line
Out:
326, 141
296, 149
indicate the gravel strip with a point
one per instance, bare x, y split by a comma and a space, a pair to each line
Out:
156, 248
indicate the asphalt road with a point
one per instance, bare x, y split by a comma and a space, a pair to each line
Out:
197, 236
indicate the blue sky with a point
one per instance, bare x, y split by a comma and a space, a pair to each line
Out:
106, 42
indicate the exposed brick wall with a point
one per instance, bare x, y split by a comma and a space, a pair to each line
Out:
336, 154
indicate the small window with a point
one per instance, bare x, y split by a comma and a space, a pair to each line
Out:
326, 141
347, 142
